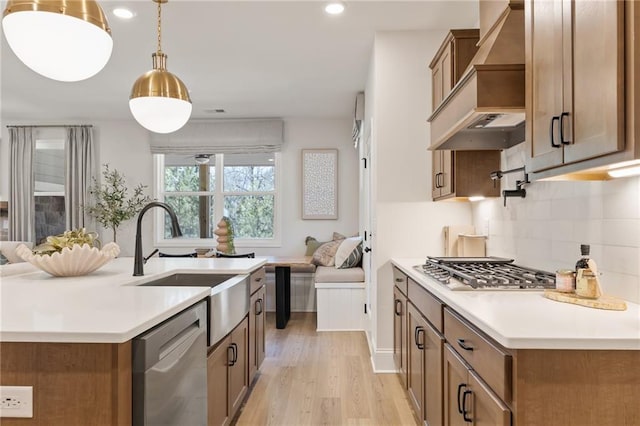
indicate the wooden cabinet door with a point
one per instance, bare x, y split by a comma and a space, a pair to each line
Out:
436, 171
217, 384
238, 370
455, 383
400, 334
415, 374
486, 409
442, 76
447, 181
433, 345
544, 82
261, 348
594, 97
256, 333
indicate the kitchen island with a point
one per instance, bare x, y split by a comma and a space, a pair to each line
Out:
512, 357
70, 338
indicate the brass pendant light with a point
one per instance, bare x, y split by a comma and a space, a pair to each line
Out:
65, 40
159, 100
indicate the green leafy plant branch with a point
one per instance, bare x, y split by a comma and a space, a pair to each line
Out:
112, 204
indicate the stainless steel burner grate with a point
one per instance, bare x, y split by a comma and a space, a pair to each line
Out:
487, 273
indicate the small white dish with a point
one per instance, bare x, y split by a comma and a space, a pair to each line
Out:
71, 262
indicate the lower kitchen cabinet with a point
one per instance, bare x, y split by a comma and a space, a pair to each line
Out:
425, 367
256, 332
467, 399
400, 334
228, 375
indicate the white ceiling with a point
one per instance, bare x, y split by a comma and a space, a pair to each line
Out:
251, 58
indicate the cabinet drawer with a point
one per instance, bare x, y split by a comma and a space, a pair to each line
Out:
428, 305
258, 279
400, 280
491, 362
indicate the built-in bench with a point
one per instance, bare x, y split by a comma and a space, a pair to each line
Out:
340, 295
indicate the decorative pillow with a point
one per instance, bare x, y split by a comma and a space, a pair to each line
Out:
349, 253
312, 245
325, 254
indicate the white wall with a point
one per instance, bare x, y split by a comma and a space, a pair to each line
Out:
124, 146
407, 223
545, 229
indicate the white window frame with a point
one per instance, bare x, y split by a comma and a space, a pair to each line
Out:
158, 222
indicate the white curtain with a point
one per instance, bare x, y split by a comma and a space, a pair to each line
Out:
239, 136
79, 171
22, 146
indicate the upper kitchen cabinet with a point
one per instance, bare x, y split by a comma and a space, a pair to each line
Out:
574, 80
581, 86
464, 174
450, 61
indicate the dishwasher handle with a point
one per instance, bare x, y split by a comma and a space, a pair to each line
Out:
152, 346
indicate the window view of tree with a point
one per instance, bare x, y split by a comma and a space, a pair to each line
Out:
246, 191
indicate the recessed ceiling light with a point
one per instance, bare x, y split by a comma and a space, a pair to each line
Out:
123, 13
334, 8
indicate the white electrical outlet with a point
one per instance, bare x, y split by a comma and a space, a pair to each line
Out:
16, 401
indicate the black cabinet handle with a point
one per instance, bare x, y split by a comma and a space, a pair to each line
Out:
230, 359
397, 311
464, 406
399, 280
416, 336
442, 180
562, 116
258, 279
463, 345
258, 303
235, 353
554, 119
367, 249
460, 387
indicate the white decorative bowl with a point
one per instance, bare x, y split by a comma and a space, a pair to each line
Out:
8, 250
71, 262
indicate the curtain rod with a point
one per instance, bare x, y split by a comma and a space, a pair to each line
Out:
51, 125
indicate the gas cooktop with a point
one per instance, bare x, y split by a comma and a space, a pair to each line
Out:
485, 273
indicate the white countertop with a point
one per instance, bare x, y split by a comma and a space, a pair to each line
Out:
527, 320
106, 306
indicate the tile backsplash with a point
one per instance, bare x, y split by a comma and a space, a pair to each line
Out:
545, 229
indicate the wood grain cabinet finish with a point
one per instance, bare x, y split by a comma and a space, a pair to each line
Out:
464, 174
467, 399
575, 81
228, 376
425, 367
450, 61
73, 383
485, 357
400, 347
256, 332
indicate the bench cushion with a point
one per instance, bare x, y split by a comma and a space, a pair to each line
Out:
330, 274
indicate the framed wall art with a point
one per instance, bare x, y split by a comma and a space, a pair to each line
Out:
319, 184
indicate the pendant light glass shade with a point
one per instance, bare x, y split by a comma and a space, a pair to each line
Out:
65, 40
159, 100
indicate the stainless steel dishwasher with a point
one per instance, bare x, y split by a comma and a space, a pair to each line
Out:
170, 371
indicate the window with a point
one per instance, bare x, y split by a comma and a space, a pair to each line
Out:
242, 187
48, 169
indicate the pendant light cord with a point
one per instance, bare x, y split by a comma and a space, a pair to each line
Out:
159, 27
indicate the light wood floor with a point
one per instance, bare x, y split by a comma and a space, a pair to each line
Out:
311, 378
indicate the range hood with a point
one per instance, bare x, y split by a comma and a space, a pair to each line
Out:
485, 109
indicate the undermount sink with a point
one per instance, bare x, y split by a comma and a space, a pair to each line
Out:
227, 304
190, 280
